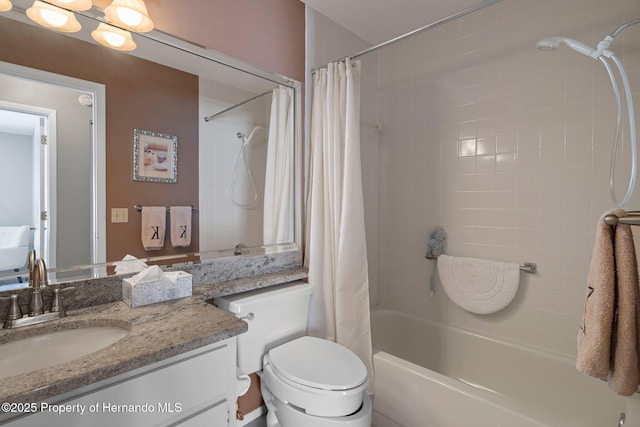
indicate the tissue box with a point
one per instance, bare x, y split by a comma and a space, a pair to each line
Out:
157, 290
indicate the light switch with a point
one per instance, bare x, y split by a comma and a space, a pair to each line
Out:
119, 215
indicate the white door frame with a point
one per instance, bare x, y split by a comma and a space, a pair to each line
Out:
98, 184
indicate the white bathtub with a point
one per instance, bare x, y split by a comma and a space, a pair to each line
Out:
431, 375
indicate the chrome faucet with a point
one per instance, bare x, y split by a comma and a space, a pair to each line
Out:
38, 281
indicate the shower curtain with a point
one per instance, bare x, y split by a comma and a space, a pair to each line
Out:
278, 186
336, 251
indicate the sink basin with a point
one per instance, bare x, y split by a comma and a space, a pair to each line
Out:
45, 350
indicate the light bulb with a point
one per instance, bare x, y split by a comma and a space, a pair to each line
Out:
113, 37
54, 18
115, 40
5, 5
129, 16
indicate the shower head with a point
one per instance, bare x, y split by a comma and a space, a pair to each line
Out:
553, 43
246, 138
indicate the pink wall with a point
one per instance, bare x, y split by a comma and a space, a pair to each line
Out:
267, 33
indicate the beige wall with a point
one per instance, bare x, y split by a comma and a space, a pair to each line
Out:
508, 148
267, 33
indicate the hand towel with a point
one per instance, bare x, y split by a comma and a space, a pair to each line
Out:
154, 220
608, 335
180, 225
478, 285
625, 374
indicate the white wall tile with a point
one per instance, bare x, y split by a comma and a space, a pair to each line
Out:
505, 146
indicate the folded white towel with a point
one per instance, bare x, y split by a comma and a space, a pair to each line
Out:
477, 285
154, 224
180, 225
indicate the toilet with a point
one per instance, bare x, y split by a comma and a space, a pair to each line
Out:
305, 381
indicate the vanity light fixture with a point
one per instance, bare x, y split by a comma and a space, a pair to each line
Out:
5, 5
72, 4
53, 17
113, 37
129, 14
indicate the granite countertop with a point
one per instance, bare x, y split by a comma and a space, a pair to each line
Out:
156, 332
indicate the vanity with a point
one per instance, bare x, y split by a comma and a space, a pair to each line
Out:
175, 365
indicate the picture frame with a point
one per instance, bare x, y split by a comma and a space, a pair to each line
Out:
155, 157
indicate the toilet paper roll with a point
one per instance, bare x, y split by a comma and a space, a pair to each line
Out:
243, 382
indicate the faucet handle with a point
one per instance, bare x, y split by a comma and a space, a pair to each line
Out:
14, 309
56, 303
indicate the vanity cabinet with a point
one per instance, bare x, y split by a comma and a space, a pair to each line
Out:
192, 389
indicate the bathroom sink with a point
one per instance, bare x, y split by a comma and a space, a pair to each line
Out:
45, 350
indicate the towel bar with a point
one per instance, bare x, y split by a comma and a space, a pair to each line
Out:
632, 218
529, 267
138, 208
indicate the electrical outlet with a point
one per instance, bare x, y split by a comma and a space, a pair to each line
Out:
119, 215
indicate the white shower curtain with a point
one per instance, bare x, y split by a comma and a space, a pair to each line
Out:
336, 251
278, 187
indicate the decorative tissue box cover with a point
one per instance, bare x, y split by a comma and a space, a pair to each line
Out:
158, 290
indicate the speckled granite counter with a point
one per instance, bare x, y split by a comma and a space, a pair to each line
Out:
156, 332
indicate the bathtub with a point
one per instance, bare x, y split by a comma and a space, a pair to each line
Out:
432, 375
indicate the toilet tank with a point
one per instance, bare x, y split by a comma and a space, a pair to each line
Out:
275, 315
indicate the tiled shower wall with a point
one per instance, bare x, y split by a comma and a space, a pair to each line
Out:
507, 148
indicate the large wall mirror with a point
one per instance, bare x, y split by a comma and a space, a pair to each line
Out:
70, 111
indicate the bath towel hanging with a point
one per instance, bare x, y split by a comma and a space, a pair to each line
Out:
180, 217
154, 221
607, 341
478, 285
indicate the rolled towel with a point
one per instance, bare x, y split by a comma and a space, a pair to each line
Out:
477, 285
180, 225
154, 222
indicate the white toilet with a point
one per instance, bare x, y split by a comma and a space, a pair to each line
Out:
305, 381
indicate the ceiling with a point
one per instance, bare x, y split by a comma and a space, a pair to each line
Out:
377, 21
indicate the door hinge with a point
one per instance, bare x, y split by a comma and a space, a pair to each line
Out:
43, 215
43, 139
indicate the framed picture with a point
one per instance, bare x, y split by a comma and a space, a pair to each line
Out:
155, 157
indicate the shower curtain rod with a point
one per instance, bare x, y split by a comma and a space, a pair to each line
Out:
211, 117
434, 24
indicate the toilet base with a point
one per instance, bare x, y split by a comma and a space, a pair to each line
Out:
280, 414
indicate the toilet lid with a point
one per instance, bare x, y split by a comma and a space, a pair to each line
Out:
318, 363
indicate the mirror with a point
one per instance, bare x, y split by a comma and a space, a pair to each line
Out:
237, 168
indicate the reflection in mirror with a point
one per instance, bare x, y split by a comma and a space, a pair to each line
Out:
241, 157
48, 177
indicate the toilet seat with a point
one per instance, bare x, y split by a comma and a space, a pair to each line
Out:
319, 376
318, 363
